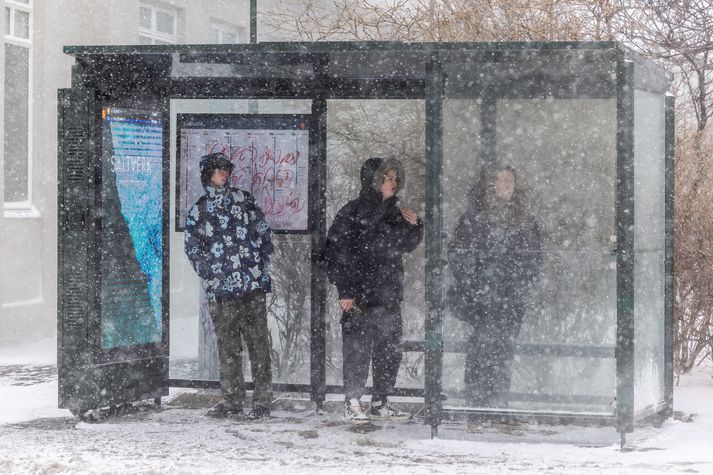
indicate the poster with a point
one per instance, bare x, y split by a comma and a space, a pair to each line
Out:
270, 155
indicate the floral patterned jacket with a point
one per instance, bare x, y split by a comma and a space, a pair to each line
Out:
227, 240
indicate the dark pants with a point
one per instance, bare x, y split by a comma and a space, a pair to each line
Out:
246, 316
373, 336
490, 354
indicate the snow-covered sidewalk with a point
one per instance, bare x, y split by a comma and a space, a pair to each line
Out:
36, 437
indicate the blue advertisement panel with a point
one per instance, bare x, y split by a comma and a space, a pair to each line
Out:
131, 232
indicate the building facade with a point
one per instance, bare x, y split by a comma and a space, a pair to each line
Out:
33, 69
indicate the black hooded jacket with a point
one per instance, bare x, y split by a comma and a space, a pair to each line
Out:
494, 262
366, 242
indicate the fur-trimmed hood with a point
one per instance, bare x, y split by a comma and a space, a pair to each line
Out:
373, 171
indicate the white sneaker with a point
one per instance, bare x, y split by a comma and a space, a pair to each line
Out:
354, 413
384, 410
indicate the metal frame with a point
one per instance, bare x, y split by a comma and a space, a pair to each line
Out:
625, 247
670, 129
83, 365
434, 243
221, 119
263, 70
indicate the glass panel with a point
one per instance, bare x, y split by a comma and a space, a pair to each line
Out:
191, 69
376, 64
16, 130
145, 40
353, 136
193, 344
8, 16
531, 289
649, 238
22, 24
165, 22
543, 383
145, 17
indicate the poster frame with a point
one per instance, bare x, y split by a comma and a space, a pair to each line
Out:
148, 350
245, 121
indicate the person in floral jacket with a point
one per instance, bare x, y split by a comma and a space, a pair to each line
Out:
228, 242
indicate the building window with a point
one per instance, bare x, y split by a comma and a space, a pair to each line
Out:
17, 104
157, 26
225, 33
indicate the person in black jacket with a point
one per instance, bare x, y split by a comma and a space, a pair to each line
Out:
494, 258
364, 250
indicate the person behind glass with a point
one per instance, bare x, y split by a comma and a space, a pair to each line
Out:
494, 263
364, 250
228, 242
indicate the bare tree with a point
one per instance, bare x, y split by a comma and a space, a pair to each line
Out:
693, 339
289, 305
452, 20
680, 35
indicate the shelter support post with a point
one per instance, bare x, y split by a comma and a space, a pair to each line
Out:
670, 132
625, 247
435, 81
318, 216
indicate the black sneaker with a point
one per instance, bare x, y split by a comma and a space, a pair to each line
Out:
225, 409
259, 412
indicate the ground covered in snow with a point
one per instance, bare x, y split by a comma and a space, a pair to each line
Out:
36, 437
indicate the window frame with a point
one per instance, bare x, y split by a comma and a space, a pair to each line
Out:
152, 32
223, 28
25, 207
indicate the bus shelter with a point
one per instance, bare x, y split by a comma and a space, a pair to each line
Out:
587, 126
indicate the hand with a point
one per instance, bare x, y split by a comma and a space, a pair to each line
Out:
346, 304
409, 215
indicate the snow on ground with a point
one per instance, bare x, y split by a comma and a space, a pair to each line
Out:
36, 437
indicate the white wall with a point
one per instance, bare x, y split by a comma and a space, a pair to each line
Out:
28, 249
